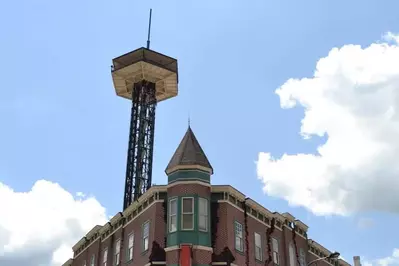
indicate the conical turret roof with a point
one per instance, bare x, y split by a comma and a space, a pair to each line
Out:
189, 153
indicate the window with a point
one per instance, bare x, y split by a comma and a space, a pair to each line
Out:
203, 214
291, 252
130, 247
258, 247
187, 214
146, 232
276, 257
173, 215
239, 245
105, 257
117, 252
302, 257
92, 260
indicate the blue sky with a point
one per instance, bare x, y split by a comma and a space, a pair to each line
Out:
62, 122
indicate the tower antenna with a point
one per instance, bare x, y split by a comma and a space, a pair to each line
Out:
149, 30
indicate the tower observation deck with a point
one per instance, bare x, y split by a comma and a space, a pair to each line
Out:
145, 77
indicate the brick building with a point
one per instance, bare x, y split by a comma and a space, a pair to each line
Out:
191, 222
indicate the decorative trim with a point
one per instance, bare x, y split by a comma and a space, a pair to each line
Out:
79, 243
155, 263
144, 210
229, 189
302, 225
253, 204
171, 248
185, 179
152, 191
93, 231
241, 210
343, 262
189, 167
116, 218
68, 262
199, 247
288, 216
314, 244
291, 229
317, 256
188, 182
223, 263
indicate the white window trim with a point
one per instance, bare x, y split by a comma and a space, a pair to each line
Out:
291, 254
276, 251
105, 256
258, 246
144, 249
203, 215
187, 213
93, 260
117, 252
171, 215
241, 249
302, 257
130, 247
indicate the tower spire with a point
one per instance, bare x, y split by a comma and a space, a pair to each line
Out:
149, 30
189, 154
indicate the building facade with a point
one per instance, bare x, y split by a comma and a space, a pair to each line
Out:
188, 221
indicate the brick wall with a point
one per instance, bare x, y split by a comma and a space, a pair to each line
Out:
228, 214
189, 189
154, 214
225, 236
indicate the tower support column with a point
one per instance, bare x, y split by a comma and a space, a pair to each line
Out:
141, 139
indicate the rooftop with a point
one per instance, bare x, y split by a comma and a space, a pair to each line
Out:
189, 152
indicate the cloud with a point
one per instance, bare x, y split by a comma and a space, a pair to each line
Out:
353, 99
40, 227
392, 260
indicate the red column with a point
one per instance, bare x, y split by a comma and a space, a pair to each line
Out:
185, 255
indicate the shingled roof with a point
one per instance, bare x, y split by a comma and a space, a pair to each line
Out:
189, 152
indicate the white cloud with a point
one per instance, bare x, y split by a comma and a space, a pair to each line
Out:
40, 227
392, 260
353, 99
391, 37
